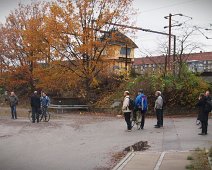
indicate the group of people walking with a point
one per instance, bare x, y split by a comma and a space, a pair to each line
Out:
140, 104
38, 104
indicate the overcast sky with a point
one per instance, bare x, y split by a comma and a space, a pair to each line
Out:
151, 16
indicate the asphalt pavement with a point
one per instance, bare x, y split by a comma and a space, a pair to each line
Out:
79, 142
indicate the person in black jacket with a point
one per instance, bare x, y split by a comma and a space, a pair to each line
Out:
35, 104
203, 114
208, 106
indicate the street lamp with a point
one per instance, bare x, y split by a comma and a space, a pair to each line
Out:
166, 17
173, 26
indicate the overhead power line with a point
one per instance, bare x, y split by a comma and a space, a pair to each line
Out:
167, 6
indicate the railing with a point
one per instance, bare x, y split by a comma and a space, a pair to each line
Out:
64, 107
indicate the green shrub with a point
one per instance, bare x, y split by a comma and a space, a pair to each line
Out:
210, 152
180, 91
189, 158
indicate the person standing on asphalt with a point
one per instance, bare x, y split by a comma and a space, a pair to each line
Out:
126, 110
35, 105
204, 104
45, 101
158, 109
13, 101
162, 109
208, 106
141, 106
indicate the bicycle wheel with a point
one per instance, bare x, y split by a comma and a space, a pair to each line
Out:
138, 120
30, 115
132, 121
198, 122
45, 118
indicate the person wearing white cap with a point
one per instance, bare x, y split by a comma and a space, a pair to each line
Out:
126, 110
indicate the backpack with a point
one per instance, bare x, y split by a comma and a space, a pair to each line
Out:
144, 105
131, 104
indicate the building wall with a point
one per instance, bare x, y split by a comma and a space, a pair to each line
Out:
116, 55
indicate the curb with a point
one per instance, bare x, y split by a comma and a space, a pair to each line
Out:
130, 155
124, 161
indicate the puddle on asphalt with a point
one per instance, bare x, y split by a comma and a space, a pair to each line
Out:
139, 146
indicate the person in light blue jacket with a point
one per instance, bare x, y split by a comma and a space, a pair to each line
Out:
45, 102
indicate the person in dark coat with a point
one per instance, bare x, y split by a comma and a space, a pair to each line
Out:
35, 104
203, 114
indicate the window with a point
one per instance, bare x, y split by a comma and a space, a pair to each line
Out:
123, 51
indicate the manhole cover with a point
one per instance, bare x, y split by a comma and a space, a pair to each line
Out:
139, 146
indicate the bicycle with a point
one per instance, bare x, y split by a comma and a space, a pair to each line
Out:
41, 116
137, 121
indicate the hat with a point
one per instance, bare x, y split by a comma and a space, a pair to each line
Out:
127, 92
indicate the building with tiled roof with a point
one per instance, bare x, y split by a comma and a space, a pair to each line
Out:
197, 62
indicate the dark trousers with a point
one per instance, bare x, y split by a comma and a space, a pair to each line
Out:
127, 116
159, 114
35, 114
13, 112
204, 127
162, 118
143, 114
204, 122
44, 110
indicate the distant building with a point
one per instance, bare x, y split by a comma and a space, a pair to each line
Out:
120, 50
197, 62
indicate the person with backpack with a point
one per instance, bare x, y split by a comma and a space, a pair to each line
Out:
127, 109
13, 101
158, 109
141, 106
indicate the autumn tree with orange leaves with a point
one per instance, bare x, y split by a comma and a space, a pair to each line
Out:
43, 42
22, 46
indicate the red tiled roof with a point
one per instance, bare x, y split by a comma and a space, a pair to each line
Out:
161, 59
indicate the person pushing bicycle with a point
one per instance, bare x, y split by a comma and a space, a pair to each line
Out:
45, 101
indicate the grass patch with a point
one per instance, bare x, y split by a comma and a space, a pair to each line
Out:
199, 160
210, 152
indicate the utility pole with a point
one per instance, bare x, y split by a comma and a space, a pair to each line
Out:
169, 49
174, 56
170, 35
126, 58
